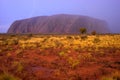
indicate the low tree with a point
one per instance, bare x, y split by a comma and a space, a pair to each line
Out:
83, 30
93, 32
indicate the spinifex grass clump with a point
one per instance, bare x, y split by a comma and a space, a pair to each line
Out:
114, 76
7, 76
73, 62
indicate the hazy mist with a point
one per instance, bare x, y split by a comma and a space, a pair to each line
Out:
11, 10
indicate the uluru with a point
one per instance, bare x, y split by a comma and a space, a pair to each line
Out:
59, 24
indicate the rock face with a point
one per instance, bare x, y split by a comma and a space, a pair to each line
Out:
59, 24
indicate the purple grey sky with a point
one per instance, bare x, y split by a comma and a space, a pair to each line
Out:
11, 10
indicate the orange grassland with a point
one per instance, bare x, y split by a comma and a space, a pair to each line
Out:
59, 57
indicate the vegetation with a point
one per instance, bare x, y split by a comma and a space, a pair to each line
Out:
60, 57
113, 76
7, 76
93, 32
83, 30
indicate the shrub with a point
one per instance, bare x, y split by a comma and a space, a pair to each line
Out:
11, 42
73, 62
96, 40
7, 76
12, 35
58, 43
93, 32
116, 75
69, 37
61, 53
83, 30
87, 57
5, 43
30, 35
76, 37
113, 76
106, 78
83, 37
19, 66
19, 52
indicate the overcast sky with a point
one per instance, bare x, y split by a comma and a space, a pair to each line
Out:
11, 10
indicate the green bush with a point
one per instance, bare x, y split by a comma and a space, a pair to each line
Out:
83, 30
